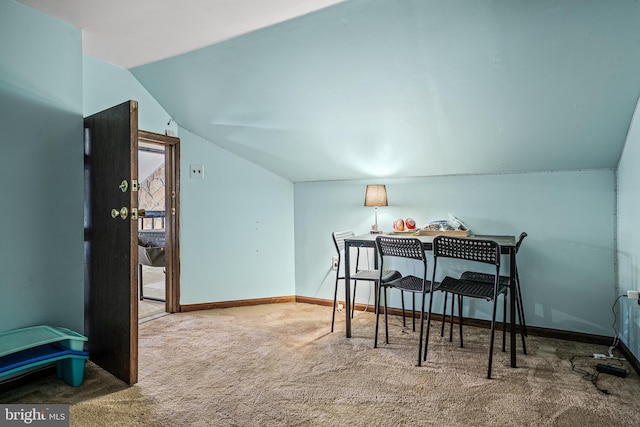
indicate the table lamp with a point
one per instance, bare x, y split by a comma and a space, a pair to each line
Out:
376, 195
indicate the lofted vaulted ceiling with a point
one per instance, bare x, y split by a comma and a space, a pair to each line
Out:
326, 90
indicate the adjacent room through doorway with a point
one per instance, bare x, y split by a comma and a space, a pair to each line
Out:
158, 173
151, 230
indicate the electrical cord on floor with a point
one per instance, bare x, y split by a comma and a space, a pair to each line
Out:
595, 374
616, 337
597, 369
590, 376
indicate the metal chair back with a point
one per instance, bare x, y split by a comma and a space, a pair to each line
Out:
484, 251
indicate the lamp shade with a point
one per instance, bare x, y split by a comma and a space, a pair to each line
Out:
376, 195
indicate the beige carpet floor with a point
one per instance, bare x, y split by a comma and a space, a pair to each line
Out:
278, 365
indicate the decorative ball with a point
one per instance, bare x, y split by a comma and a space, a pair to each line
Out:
398, 225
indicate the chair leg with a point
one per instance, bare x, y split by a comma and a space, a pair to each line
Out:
335, 299
413, 310
444, 313
375, 339
421, 327
493, 333
524, 341
353, 299
426, 338
523, 323
404, 321
504, 322
386, 317
460, 300
453, 301
523, 336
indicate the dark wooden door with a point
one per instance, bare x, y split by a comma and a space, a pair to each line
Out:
111, 318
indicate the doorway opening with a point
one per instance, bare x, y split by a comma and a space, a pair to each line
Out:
158, 253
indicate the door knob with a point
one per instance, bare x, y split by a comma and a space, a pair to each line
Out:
122, 213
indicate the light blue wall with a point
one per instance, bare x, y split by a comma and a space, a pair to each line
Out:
41, 248
566, 262
237, 236
629, 236
236, 225
106, 85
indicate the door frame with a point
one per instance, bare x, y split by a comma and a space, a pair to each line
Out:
171, 146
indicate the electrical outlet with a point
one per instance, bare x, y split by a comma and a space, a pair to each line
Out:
334, 263
196, 171
634, 295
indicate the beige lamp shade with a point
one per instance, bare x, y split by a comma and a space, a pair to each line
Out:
376, 195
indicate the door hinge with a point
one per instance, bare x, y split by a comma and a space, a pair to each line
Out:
134, 185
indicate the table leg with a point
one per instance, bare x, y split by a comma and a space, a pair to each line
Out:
375, 267
347, 287
512, 305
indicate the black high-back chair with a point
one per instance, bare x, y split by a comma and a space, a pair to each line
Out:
407, 248
478, 251
504, 280
374, 276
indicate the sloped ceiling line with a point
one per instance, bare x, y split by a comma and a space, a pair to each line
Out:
381, 88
